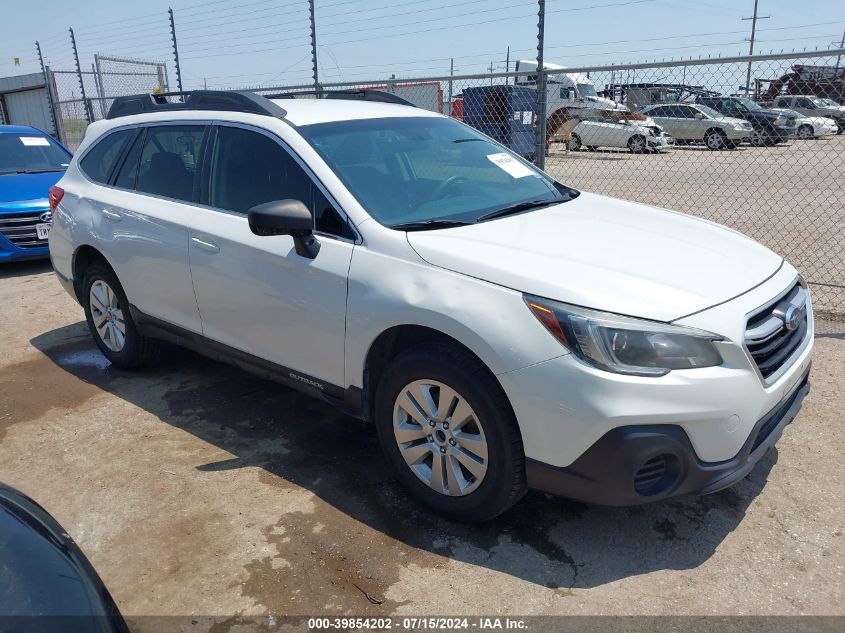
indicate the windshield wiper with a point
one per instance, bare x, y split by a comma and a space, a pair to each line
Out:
39, 171
516, 208
426, 225
467, 140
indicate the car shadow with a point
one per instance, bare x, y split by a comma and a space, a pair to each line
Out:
9, 270
552, 542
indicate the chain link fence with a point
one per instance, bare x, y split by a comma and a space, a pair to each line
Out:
754, 143
80, 98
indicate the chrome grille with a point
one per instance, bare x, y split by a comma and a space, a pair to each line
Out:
774, 333
19, 228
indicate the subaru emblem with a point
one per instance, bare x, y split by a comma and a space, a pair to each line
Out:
792, 317
47, 216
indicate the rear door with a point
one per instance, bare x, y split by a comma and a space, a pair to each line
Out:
255, 293
140, 217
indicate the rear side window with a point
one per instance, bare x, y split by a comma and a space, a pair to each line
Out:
128, 170
99, 162
169, 161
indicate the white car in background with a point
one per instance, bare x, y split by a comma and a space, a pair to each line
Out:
810, 127
637, 136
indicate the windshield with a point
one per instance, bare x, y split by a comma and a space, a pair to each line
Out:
587, 90
750, 104
709, 111
819, 102
427, 169
30, 153
830, 103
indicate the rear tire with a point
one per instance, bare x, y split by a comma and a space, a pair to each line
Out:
715, 140
110, 320
416, 435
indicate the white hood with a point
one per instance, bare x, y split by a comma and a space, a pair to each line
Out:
606, 254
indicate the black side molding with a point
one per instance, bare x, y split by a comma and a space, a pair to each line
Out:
349, 401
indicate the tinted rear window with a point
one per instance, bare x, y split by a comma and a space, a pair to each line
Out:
99, 162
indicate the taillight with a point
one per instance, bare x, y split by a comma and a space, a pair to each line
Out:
56, 194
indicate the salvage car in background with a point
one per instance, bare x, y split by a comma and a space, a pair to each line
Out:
46, 583
810, 127
809, 105
691, 122
31, 161
770, 126
606, 131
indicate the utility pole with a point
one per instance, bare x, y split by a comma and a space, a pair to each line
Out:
508, 65
175, 49
491, 72
89, 115
753, 19
540, 146
314, 46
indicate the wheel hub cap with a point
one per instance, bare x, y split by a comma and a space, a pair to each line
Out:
107, 315
440, 437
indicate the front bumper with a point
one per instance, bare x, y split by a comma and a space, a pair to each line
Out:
631, 465
10, 252
660, 142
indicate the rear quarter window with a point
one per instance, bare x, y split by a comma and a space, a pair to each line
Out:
99, 161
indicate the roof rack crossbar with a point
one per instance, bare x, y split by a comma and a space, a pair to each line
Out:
354, 94
220, 100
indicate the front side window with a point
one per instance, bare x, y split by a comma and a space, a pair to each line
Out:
249, 168
587, 90
31, 153
100, 161
412, 170
169, 160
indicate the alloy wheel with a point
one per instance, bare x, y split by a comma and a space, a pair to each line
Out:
107, 315
440, 437
805, 132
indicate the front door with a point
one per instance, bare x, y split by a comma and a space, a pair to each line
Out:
255, 293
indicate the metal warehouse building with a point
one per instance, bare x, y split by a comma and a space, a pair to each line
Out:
23, 101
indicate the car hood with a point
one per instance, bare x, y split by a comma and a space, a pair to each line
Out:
27, 189
733, 121
606, 254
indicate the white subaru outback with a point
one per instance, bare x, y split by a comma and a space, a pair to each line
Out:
502, 330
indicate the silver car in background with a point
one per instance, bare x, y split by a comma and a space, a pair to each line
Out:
692, 122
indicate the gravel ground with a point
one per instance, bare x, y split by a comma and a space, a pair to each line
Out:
195, 488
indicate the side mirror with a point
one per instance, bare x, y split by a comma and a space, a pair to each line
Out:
286, 217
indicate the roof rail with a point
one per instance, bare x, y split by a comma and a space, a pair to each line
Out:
222, 100
355, 94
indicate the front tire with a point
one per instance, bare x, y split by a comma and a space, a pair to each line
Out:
574, 143
805, 132
448, 430
110, 321
761, 138
637, 144
715, 140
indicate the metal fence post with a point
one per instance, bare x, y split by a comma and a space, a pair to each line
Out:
451, 74
89, 115
314, 45
540, 158
51, 106
175, 49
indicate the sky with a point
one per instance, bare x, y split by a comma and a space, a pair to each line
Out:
250, 43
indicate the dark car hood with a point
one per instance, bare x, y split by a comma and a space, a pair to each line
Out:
46, 583
26, 190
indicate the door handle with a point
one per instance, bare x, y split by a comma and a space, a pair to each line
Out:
114, 216
205, 244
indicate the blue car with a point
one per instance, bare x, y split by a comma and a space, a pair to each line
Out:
31, 161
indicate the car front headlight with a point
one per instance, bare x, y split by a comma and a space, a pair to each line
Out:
625, 345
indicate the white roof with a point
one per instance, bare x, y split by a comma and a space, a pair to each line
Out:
307, 111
